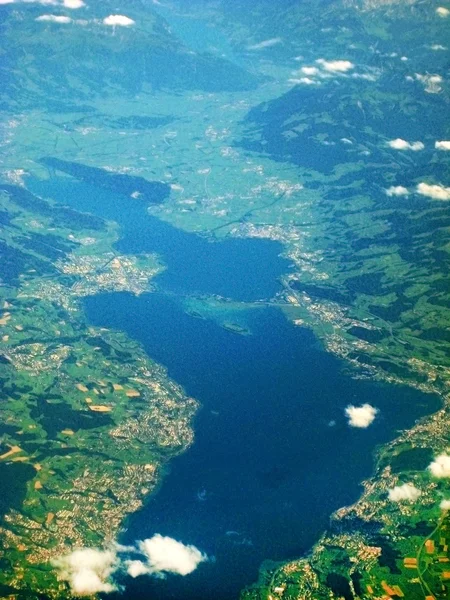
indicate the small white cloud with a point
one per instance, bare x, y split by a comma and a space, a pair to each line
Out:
6, 1
165, 555
309, 70
54, 19
435, 191
304, 81
118, 20
361, 416
431, 82
438, 47
445, 505
404, 58
136, 568
335, 66
407, 491
365, 76
442, 145
443, 12
440, 467
73, 4
265, 44
397, 190
346, 141
87, 570
399, 144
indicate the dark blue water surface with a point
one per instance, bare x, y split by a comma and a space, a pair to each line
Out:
273, 455
267, 467
241, 269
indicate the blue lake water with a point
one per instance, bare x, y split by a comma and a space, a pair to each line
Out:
198, 34
267, 469
241, 269
273, 455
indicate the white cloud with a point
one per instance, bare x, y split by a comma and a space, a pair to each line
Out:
442, 145
309, 70
136, 568
397, 190
365, 76
87, 570
438, 47
335, 66
90, 571
54, 19
120, 20
431, 82
265, 44
327, 69
407, 491
399, 144
361, 416
436, 191
165, 555
440, 467
445, 505
6, 1
304, 81
442, 11
73, 4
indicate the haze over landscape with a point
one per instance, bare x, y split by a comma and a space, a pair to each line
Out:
224, 299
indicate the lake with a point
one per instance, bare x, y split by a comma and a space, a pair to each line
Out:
273, 454
242, 269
